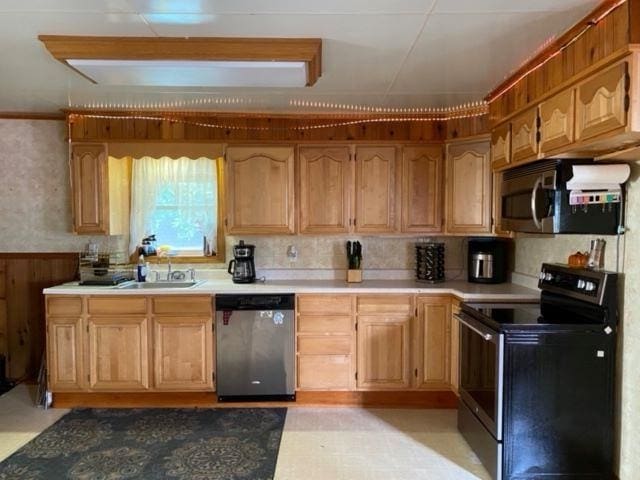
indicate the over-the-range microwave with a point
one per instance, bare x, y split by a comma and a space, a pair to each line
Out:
535, 199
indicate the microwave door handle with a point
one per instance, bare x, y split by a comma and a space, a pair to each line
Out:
534, 198
486, 336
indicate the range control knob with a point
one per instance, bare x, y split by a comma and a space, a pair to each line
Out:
581, 284
590, 286
541, 276
548, 277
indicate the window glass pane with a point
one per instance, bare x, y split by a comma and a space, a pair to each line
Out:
175, 199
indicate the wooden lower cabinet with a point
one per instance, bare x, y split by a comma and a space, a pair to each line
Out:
432, 347
183, 353
383, 352
325, 343
118, 344
118, 353
64, 354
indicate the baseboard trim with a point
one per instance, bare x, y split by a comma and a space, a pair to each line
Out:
403, 399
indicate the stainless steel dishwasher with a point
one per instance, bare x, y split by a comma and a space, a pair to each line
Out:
255, 347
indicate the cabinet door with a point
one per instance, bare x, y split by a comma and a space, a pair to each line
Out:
183, 355
89, 189
422, 193
602, 102
524, 136
64, 354
118, 353
325, 188
556, 121
433, 337
468, 188
501, 146
383, 352
376, 190
260, 184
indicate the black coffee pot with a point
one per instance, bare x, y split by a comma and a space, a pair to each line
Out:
242, 267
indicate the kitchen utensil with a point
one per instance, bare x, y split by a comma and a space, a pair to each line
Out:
596, 254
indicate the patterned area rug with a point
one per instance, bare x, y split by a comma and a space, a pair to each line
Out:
114, 444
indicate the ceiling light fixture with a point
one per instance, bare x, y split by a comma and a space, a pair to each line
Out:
190, 62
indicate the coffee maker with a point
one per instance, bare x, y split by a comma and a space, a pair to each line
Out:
487, 260
242, 268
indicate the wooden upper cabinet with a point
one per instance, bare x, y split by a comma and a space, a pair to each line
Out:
100, 190
557, 121
90, 191
260, 190
468, 185
118, 353
376, 190
183, 354
501, 146
433, 343
325, 188
602, 102
422, 189
524, 136
64, 353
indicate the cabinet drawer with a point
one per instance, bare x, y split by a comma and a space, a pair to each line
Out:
185, 304
324, 372
329, 345
68, 306
400, 304
319, 304
324, 324
117, 305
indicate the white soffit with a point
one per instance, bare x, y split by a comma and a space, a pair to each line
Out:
173, 73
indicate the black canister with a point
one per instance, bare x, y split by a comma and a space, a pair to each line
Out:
430, 262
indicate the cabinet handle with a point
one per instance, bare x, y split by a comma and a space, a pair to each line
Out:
415, 372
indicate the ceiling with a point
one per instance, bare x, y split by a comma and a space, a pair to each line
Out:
377, 53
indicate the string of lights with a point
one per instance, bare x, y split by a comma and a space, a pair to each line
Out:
478, 109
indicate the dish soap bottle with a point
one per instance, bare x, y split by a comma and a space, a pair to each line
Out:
141, 270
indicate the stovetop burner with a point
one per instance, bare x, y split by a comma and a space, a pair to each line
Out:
570, 297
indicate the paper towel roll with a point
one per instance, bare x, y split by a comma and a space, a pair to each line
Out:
599, 177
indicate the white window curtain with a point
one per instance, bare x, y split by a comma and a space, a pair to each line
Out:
175, 199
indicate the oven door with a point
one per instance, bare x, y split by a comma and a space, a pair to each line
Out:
527, 202
481, 372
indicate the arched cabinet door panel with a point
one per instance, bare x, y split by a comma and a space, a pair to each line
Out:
260, 190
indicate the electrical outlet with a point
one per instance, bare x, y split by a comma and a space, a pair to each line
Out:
292, 253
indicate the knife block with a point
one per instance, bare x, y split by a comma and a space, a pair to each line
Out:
354, 276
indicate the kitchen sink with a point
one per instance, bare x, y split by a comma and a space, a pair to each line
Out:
156, 285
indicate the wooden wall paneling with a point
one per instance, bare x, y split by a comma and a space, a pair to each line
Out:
172, 127
621, 22
26, 276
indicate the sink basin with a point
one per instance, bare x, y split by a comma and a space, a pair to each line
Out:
156, 285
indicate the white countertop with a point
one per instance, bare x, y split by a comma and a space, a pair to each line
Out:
463, 290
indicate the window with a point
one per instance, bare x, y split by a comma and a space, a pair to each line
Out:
177, 201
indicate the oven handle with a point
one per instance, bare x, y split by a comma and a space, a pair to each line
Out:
534, 197
487, 336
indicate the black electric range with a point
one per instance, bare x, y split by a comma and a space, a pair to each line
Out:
537, 380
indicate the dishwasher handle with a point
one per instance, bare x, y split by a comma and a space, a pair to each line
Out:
255, 302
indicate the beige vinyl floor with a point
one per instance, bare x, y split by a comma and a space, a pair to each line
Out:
317, 443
